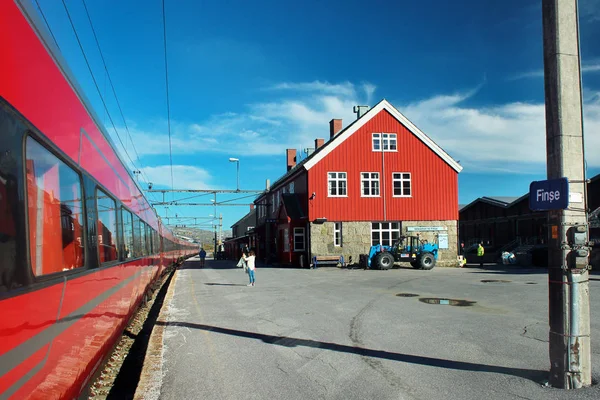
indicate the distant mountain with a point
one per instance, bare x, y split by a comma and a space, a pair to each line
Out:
203, 237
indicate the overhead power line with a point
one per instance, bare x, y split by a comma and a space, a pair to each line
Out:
96, 83
114, 91
47, 25
167, 89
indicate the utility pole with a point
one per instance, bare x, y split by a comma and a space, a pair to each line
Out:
220, 227
568, 251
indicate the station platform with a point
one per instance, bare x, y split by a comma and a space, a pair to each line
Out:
334, 333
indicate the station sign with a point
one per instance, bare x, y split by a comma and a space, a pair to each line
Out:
426, 228
551, 194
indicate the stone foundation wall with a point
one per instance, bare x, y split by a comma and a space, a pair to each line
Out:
446, 257
356, 239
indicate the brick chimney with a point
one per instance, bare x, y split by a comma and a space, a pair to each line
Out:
319, 143
335, 126
291, 158
251, 207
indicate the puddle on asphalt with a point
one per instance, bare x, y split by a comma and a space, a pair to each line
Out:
447, 302
495, 281
531, 283
407, 295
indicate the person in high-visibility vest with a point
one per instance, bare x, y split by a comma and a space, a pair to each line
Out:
480, 252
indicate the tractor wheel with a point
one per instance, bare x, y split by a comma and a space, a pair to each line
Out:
415, 264
427, 261
384, 261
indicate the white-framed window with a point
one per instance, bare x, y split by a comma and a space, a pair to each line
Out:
385, 142
337, 234
286, 240
369, 183
401, 183
299, 242
337, 184
385, 233
291, 188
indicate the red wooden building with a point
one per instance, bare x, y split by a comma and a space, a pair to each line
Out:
372, 181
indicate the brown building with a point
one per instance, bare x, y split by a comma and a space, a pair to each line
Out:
507, 223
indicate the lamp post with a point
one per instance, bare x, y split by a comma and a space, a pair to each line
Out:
237, 161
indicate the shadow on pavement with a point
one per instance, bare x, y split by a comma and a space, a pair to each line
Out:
505, 269
224, 284
531, 374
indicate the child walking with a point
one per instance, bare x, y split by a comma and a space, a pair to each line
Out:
250, 258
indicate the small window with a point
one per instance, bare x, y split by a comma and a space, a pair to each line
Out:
137, 237
337, 184
148, 240
143, 240
402, 184
337, 234
369, 184
299, 243
55, 210
385, 142
291, 188
127, 234
107, 227
384, 233
286, 240
377, 142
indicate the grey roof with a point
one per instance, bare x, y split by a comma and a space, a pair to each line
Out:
506, 200
292, 206
251, 214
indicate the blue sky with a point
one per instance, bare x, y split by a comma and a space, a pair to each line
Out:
250, 79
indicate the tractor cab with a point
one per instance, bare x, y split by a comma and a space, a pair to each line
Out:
419, 253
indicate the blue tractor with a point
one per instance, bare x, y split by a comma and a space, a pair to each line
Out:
419, 253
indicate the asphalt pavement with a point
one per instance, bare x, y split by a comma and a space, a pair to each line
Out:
334, 333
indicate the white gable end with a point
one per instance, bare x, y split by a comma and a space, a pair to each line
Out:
382, 105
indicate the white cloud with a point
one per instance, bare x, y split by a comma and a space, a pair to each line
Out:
300, 114
195, 178
345, 89
504, 138
587, 67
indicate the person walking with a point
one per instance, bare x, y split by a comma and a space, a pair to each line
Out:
462, 261
251, 265
202, 257
480, 253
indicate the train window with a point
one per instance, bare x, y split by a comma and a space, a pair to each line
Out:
55, 210
137, 237
127, 233
151, 239
107, 227
143, 244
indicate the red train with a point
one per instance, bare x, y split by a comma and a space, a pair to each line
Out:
79, 242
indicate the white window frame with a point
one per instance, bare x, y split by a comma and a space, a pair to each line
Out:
278, 200
286, 240
337, 234
299, 232
385, 227
385, 142
402, 179
369, 180
337, 179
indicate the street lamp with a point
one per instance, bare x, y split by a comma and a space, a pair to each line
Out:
237, 161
